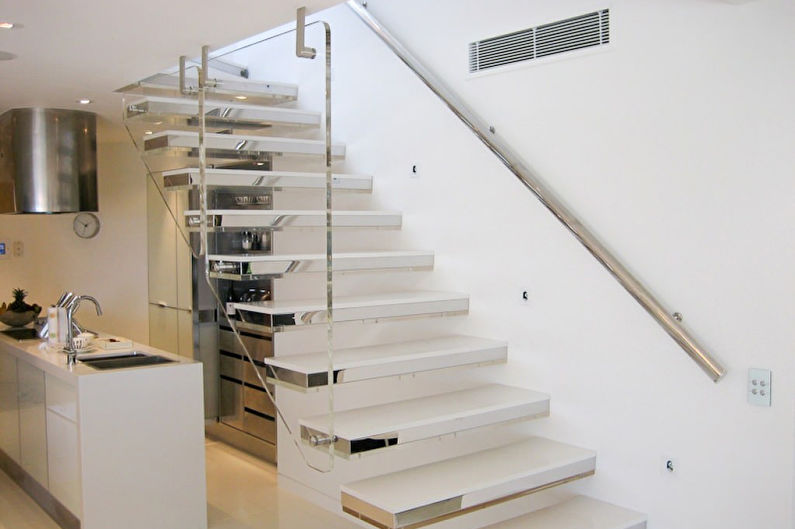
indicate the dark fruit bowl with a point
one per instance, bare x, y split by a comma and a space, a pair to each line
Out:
18, 319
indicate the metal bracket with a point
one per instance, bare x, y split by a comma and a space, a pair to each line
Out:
302, 51
226, 66
182, 89
322, 440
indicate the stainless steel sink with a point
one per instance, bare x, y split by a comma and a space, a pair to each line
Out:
123, 360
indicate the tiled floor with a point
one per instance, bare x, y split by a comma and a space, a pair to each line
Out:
241, 494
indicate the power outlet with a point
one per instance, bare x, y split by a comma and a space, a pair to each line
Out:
19, 248
759, 387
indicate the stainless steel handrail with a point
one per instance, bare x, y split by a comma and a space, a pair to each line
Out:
533, 182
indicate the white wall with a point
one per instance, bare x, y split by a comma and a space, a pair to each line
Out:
111, 266
674, 145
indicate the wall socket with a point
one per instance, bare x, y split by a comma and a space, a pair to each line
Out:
759, 387
19, 248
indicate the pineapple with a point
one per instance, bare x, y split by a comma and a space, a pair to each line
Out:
19, 305
18, 313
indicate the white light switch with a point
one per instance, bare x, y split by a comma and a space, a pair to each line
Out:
759, 387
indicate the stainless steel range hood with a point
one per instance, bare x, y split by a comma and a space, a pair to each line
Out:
48, 161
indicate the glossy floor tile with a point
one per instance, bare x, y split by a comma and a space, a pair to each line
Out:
242, 493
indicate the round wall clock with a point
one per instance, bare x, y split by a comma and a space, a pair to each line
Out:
86, 225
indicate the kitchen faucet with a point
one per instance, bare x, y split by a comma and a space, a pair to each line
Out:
71, 352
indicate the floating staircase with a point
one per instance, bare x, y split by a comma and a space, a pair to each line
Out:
457, 486
579, 512
235, 146
233, 91
246, 267
365, 430
307, 371
219, 115
277, 316
244, 219
237, 179
414, 497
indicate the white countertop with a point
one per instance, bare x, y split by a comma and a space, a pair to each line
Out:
38, 354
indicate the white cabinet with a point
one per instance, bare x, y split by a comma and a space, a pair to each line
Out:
32, 422
185, 333
161, 247
63, 453
164, 328
171, 330
64, 461
170, 275
184, 264
9, 406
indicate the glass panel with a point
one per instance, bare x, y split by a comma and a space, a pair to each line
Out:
231, 146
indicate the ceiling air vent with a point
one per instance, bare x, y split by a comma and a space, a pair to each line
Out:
584, 31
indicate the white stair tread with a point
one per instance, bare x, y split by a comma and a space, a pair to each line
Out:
426, 417
579, 512
270, 179
362, 363
342, 262
255, 92
396, 299
239, 143
154, 108
295, 218
454, 485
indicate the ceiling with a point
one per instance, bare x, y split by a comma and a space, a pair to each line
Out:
72, 49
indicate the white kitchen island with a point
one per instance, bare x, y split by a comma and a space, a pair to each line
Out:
102, 449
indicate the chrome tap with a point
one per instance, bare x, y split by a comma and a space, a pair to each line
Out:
71, 352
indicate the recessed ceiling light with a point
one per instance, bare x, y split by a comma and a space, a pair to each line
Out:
241, 98
148, 132
84, 101
7, 25
5, 56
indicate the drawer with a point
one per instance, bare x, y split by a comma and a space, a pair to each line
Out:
259, 426
258, 400
231, 403
61, 397
242, 370
259, 347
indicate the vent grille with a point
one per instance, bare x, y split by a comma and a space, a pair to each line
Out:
584, 31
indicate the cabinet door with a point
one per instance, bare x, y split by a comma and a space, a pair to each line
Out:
63, 461
161, 246
185, 333
183, 271
9, 406
164, 328
32, 422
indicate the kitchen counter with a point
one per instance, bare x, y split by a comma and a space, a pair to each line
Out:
121, 448
38, 354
